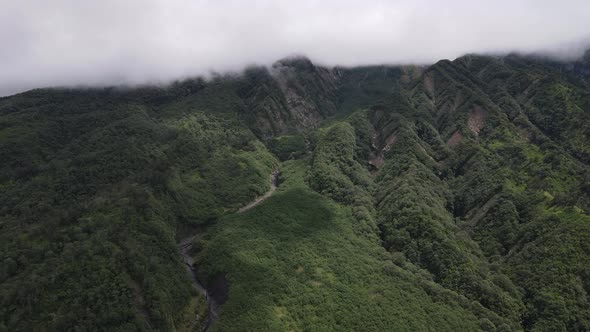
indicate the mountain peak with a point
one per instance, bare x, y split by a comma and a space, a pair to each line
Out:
296, 61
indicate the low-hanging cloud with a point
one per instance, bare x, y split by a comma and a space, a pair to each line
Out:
71, 42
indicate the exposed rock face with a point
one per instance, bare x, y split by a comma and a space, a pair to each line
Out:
476, 120
309, 91
294, 95
454, 139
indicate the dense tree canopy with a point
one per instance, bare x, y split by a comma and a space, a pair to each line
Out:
449, 197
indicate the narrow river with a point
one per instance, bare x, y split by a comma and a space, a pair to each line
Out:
186, 244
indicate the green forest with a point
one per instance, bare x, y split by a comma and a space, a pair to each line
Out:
449, 197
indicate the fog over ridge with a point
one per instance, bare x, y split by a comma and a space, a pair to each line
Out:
110, 42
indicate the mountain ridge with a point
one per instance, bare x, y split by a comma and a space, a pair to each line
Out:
452, 196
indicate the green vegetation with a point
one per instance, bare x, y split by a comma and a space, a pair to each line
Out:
295, 263
288, 146
450, 197
89, 216
336, 174
413, 206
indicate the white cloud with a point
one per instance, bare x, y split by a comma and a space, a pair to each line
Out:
69, 42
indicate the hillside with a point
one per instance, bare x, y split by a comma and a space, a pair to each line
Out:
450, 197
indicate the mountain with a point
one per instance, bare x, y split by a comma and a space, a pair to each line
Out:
448, 197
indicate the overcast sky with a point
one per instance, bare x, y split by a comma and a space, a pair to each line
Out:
70, 42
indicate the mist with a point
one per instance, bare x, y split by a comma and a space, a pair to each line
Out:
114, 42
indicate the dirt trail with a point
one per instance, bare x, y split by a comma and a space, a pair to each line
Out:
186, 244
273, 186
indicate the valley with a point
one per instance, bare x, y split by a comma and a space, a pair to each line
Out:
448, 197
185, 246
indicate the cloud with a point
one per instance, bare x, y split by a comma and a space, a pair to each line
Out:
70, 42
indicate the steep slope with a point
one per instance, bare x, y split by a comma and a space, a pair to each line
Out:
296, 262
510, 151
90, 214
449, 197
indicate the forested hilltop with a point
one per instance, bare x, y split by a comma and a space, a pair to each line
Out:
450, 197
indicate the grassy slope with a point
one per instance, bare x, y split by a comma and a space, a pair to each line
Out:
295, 263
